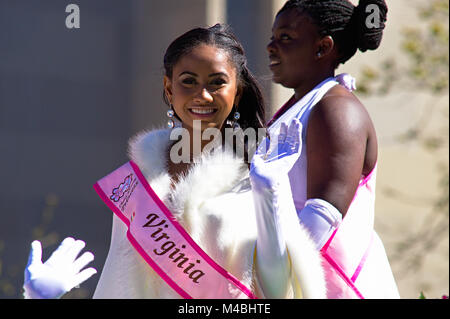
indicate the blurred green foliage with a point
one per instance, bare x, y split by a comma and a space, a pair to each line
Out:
11, 272
426, 52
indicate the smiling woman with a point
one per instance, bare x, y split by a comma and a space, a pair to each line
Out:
291, 49
215, 44
204, 86
333, 181
207, 83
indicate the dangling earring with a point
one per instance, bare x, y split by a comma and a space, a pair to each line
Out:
234, 123
236, 117
170, 114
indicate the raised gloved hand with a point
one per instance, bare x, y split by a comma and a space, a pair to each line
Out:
276, 156
347, 81
278, 226
60, 273
273, 203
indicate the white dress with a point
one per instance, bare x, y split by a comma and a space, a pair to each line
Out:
355, 260
214, 203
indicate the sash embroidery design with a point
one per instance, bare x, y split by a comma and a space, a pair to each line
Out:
163, 243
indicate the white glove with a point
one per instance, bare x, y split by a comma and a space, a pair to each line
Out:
274, 158
60, 273
347, 81
320, 218
273, 202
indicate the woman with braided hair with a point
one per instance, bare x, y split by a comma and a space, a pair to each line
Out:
333, 181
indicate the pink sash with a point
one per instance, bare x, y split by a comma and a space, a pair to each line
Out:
163, 243
349, 247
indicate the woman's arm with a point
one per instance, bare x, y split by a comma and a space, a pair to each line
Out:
273, 199
285, 254
341, 147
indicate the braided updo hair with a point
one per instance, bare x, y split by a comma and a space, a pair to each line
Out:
344, 22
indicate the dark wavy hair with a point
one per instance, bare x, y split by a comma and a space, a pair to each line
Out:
344, 22
251, 104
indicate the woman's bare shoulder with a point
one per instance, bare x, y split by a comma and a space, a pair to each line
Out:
341, 109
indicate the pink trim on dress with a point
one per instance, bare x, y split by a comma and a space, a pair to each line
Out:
364, 182
342, 274
349, 281
363, 261
327, 244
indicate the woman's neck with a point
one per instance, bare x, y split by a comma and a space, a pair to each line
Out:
306, 86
